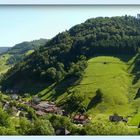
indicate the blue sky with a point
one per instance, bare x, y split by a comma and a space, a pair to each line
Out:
25, 23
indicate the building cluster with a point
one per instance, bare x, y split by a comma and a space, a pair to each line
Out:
41, 108
44, 107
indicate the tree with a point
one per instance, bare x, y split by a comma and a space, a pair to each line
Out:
25, 126
7, 131
42, 127
51, 73
74, 102
4, 118
103, 127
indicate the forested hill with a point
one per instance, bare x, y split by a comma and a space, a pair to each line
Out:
65, 55
12, 55
18, 51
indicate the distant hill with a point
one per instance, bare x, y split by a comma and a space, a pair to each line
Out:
18, 51
15, 54
3, 49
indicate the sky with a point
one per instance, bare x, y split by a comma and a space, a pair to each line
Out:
70, 1
26, 23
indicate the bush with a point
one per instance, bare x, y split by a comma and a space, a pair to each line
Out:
25, 126
4, 119
41, 127
108, 128
7, 131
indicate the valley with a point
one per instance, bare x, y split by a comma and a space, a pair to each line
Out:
83, 81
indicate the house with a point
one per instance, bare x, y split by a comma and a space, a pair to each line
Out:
46, 104
36, 100
80, 119
62, 131
6, 106
14, 97
47, 107
43, 105
40, 113
117, 118
49, 110
61, 112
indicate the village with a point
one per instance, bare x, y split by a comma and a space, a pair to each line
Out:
44, 107
41, 108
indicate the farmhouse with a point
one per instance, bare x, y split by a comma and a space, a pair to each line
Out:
14, 97
80, 119
40, 113
117, 118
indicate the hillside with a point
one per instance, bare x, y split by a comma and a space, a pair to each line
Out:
20, 50
90, 68
86, 79
108, 75
16, 53
63, 54
3, 49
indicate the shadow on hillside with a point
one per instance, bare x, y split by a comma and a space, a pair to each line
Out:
95, 100
124, 58
133, 63
136, 69
26, 86
137, 94
63, 86
33, 88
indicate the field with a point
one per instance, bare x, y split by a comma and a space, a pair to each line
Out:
109, 75
3, 63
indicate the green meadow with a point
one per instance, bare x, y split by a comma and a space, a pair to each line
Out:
109, 75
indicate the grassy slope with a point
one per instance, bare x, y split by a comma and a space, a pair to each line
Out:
3, 63
111, 77
114, 82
